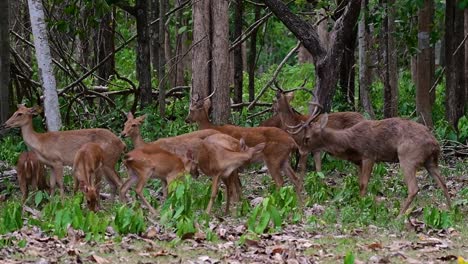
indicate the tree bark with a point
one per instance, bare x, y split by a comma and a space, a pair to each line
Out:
4, 62
364, 71
347, 73
466, 55
455, 89
162, 59
252, 57
423, 99
181, 48
201, 55
327, 61
105, 46
220, 70
44, 63
390, 63
237, 52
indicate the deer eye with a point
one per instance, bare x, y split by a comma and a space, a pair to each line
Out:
134, 125
19, 114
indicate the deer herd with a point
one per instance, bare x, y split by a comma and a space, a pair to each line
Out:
220, 151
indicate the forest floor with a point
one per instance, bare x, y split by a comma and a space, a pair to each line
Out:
405, 240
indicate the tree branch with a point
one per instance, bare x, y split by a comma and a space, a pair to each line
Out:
127, 8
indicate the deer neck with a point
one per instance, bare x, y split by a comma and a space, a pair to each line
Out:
137, 139
288, 117
30, 136
204, 122
335, 141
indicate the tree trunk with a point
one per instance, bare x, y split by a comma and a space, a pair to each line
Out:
391, 67
423, 98
220, 69
238, 69
327, 60
466, 55
181, 48
44, 63
143, 67
156, 47
105, 46
347, 73
364, 71
252, 57
201, 55
455, 90
162, 59
4, 62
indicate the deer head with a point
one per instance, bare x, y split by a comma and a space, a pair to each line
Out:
312, 134
199, 107
131, 127
22, 116
90, 194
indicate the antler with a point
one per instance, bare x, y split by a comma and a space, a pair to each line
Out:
209, 96
298, 128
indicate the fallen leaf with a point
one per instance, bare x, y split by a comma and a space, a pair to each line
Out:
375, 246
98, 259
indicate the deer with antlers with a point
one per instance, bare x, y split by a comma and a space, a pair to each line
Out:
290, 117
278, 143
30, 172
179, 146
388, 140
57, 149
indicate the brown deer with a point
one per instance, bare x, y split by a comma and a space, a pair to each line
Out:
278, 143
389, 140
178, 145
289, 117
219, 156
30, 172
57, 149
87, 173
151, 161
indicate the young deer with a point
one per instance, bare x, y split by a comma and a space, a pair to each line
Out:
216, 158
289, 117
87, 173
151, 161
178, 145
57, 149
30, 173
278, 143
389, 140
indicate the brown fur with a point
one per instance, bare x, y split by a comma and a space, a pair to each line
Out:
278, 143
30, 172
390, 140
57, 149
87, 173
219, 156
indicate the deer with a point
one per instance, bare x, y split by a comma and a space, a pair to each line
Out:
152, 161
178, 145
30, 172
394, 140
216, 158
278, 142
290, 117
87, 173
57, 149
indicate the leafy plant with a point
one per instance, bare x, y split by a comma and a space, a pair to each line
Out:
129, 220
12, 217
437, 219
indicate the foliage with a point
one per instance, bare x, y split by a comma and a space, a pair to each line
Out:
12, 217
437, 219
129, 220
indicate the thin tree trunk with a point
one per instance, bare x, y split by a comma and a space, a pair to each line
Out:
162, 59
180, 46
392, 61
4, 62
466, 55
238, 73
143, 53
156, 47
201, 55
423, 102
220, 69
105, 46
44, 63
347, 73
252, 57
364, 71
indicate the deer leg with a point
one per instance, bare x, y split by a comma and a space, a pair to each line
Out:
132, 178
233, 186
165, 188
364, 175
139, 191
274, 168
228, 198
76, 185
113, 179
301, 165
214, 192
409, 172
23, 187
56, 177
434, 171
318, 161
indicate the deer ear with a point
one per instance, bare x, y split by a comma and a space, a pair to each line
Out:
20, 106
35, 110
207, 105
243, 146
129, 115
289, 96
189, 155
141, 118
323, 121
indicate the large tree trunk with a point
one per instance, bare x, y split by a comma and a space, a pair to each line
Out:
44, 63
220, 53
252, 57
390, 63
143, 63
423, 98
201, 54
347, 72
4, 62
327, 60
455, 89
364, 71
162, 58
105, 46
238, 69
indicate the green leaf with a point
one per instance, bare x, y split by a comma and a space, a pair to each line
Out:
182, 30
349, 258
262, 225
38, 198
275, 216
